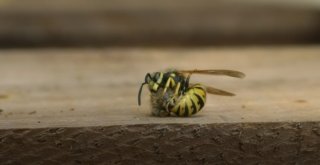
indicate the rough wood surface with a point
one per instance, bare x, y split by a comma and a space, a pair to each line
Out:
80, 106
268, 143
89, 87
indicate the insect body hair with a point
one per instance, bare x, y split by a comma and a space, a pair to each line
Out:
159, 101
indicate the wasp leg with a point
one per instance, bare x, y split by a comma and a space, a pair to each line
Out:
170, 103
185, 85
177, 89
172, 114
187, 81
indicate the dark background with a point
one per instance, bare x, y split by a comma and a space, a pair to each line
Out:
99, 23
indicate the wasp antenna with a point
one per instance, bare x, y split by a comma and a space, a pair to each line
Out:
139, 95
140, 90
146, 78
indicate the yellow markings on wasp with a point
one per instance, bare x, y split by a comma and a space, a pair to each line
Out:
155, 87
200, 92
170, 83
173, 83
160, 78
182, 108
189, 104
195, 99
177, 89
174, 109
177, 106
166, 87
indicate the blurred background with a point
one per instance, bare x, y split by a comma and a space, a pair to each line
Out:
101, 23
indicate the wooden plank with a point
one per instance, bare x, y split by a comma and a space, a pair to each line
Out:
268, 143
80, 106
98, 87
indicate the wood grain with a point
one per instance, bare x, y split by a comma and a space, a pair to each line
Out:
98, 87
79, 106
267, 143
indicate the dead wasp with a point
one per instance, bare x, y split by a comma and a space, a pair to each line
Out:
172, 94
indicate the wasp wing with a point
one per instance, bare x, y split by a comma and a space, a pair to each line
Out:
215, 91
231, 73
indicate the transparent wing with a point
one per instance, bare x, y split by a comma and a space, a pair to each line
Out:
231, 73
215, 91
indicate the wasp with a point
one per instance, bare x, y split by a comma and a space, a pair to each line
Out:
173, 95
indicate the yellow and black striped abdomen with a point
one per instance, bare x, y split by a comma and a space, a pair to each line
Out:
191, 102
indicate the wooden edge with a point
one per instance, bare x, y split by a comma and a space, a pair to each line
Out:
245, 143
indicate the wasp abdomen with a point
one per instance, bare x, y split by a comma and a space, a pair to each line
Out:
191, 102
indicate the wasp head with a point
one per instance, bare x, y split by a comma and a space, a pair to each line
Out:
153, 80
